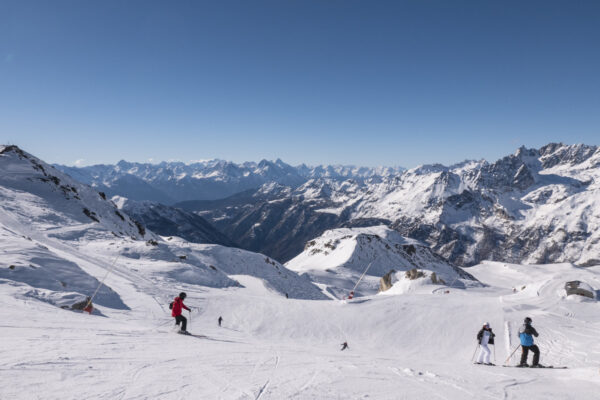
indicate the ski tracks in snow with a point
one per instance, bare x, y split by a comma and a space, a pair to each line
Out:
266, 384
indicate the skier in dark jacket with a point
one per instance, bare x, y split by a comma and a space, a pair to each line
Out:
178, 307
344, 346
526, 334
220, 320
485, 336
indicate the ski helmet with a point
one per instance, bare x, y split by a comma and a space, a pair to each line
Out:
182, 295
486, 324
528, 320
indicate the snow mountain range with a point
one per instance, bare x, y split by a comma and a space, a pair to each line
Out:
534, 206
172, 182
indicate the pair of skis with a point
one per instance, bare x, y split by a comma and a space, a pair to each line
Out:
538, 367
517, 366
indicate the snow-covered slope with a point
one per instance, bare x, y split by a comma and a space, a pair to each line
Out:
415, 346
36, 194
338, 258
60, 238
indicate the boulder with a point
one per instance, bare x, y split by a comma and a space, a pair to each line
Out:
386, 281
580, 288
414, 274
435, 280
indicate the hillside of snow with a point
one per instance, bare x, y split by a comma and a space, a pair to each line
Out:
415, 345
337, 259
61, 238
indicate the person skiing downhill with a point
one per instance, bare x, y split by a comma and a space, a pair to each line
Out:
485, 336
344, 346
178, 307
220, 320
526, 334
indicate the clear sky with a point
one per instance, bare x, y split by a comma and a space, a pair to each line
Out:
351, 82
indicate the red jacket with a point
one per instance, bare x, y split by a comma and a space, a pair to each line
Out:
177, 306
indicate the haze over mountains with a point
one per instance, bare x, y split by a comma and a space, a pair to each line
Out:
172, 182
533, 206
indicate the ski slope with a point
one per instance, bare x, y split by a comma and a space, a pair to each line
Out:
416, 345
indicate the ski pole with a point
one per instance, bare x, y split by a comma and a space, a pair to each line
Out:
494, 354
475, 352
511, 354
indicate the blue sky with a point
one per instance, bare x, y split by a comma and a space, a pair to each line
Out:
351, 82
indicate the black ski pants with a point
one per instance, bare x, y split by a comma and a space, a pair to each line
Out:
183, 320
525, 352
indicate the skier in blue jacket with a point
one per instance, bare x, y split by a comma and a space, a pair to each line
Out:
526, 334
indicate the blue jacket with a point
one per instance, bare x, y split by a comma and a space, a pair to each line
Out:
526, 334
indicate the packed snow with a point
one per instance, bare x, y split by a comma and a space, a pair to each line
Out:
416, 345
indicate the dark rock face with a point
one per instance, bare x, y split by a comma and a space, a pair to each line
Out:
170, 221
278, 229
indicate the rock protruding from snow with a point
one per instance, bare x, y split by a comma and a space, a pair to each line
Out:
580, 289
386, 281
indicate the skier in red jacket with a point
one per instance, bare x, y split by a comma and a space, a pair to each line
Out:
177, 309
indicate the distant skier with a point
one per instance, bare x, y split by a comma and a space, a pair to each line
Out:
220, 320
344, 346
485, 336
526, 334
177, 310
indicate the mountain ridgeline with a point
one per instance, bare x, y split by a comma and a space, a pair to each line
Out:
534, 206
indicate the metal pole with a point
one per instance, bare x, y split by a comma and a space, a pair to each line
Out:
108, 271
362, 276
475, 352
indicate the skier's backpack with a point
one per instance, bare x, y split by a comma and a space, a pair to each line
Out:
171, 306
